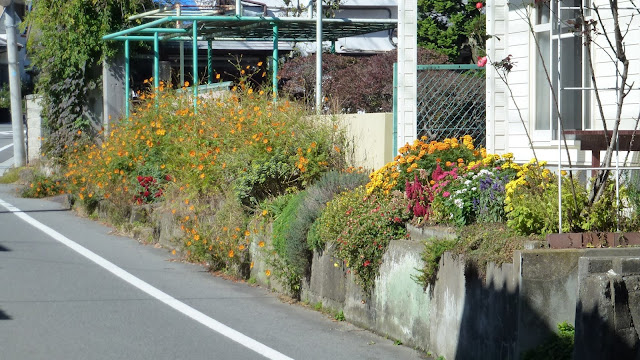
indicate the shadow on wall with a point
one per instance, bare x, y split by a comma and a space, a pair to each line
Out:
520, 305
488, 328
608, 309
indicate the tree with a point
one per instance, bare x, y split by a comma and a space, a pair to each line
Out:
67, 50
455, 28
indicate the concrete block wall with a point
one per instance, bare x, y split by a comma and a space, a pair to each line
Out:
34, 127
370, 136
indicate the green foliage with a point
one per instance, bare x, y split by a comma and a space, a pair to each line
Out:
367, 226
479, 243
557, 347
433, 251
10, 176
291, 226
340, 316
532, 205
266, 178
5, 96
320, 193
289, 234
66, 48
41, 185
445, 26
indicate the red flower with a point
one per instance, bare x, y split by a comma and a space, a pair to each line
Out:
479, 5
367, 263
482, 61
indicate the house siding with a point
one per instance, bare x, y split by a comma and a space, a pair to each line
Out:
505, 129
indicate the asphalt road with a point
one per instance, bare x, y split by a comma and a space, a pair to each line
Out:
6, 141
70, 289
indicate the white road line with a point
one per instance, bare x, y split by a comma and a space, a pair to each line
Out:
150, 290
6, 147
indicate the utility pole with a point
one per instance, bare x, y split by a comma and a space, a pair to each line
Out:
10, 21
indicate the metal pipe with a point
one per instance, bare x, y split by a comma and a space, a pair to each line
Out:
275, 62
134, 38
238, 8
145, 14
156, 64
209, 62
164, 30
127, 84
179, 24
318, 56
195, 66
19, 154
559, 115
137, 28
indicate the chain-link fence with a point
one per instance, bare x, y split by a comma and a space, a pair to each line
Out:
452, 102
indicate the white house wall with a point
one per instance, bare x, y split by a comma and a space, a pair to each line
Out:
508, 113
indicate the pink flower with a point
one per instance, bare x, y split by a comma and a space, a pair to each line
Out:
482, 61
446, 194
479, 5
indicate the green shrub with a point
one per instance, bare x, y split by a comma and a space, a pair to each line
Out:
532, 202
433, 251
292, 223
365, 230
320, 193
267, 178
289, 233
41, 186
557, 347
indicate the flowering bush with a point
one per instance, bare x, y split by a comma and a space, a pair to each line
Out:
477, 194
369, 223
451, 153
231, 153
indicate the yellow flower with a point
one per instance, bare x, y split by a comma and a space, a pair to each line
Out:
267, 272
231, 253
261, 244
241, 247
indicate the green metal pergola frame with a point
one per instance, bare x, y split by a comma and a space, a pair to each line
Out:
234, 28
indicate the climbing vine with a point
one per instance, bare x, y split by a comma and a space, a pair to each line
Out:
66, 51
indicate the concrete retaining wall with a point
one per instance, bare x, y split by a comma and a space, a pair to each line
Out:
516, 307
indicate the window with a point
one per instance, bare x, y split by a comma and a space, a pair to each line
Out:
566, 74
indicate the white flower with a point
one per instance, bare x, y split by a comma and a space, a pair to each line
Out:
467, 182
458, 203
473, 188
